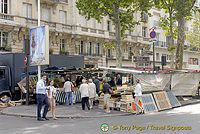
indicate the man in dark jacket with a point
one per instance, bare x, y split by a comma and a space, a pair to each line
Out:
119, 80
97, 83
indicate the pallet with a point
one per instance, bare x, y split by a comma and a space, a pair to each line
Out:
162, 100
148, 103
173, 100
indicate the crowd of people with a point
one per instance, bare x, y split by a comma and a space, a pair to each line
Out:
89, 90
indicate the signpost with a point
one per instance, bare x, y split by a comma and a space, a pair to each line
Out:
153, 35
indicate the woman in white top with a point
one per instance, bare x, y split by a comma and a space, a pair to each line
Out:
138, 94
51, 97
68, 90
92, 92
84, 89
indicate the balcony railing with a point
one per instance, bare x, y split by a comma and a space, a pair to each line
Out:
161, 44
6, 17
94, 55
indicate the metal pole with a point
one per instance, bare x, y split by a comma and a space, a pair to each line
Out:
154, 68
107, 58
39, 67
27, 71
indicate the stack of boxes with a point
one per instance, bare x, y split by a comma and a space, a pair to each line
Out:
126, 103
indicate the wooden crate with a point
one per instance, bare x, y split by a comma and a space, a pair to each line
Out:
127, 97
126, 106
162, 100
112, 104
148, 103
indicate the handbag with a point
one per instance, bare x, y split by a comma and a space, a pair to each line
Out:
72, 88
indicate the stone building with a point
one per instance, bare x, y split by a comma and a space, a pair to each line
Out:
71, 34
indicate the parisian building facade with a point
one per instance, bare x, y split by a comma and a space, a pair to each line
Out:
71, 34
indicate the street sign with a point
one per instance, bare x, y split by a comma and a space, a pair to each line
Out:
25, 60
152, 34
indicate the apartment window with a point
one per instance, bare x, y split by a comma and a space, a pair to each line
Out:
157, 57
66, 1
4, 7
168, 40
193, 61
100, 25
168, 57
27, 10
145, 16
93, 23
158, 36
186, 28
3, 38
144, 31
155, 23
62, 44
108, 25
63, 17
46, 14
98, 47
81, 50
109, 53
90, 48
83, 21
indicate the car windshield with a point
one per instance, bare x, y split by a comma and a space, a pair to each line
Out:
2, 73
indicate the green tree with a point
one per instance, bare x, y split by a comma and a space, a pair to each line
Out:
168, 24
183, 9
193, 37
121, 12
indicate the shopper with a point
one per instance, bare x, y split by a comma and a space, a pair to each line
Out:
106, 88
119, 80
97, 83
41, 96
92, 92
51, 97
112, 81
84, 89
138, 94
68, 85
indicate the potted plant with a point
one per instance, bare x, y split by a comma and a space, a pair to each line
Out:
50, 51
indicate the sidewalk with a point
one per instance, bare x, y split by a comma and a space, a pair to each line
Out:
61, 112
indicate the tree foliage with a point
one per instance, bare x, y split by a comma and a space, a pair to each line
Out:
127, 8
121, 12
193, 36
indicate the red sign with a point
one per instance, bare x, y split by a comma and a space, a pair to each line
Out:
25, 60
153, 34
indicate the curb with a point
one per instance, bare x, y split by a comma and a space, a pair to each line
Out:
190, 103
66, 117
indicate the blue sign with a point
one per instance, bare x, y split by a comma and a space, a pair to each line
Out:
153, 34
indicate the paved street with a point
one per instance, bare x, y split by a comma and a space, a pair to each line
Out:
182, 116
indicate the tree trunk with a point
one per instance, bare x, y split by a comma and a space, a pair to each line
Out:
171, 41
180, 43
117, 35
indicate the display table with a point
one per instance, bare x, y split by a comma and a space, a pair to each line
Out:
61, 96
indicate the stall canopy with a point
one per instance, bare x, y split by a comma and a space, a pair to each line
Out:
121, 70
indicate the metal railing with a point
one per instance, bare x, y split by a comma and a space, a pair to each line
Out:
6, 17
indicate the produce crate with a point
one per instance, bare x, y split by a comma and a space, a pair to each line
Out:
126, 106
127, 97
112, 104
